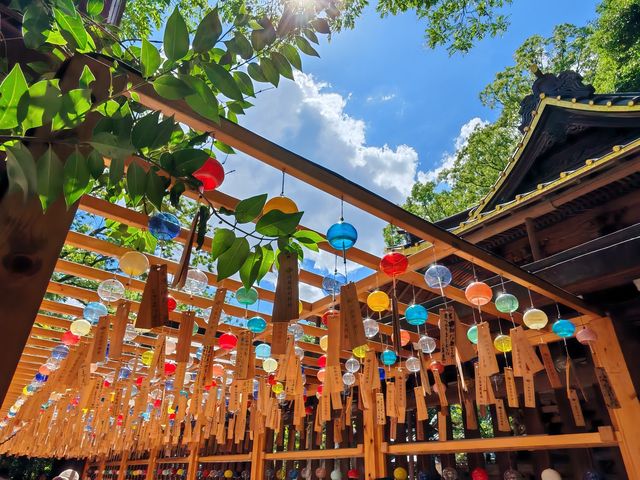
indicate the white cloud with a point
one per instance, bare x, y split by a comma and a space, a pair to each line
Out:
309, 119
448, 158
381, 98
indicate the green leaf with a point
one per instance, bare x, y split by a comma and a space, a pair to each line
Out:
308, 237
282, 65
188, 160
136, 183
223, 147
277, 224
72, 28
243, 46
270, 71
50, 175
290, 52
203, 101
108, 145
244, 83
208, 32
321, 25
176, 37
145, 131
86, 77
222, 80
305, 47
232, 259
76, 178
21, 170
149, 58
268, 257
248, 209
311, 35
95, 162
171, 88
95, 7
75, 103
12, 88
222, 240
255, 72
175, 192
156, 188
203, 217
116, 171
251, 267
35, 22
39, 104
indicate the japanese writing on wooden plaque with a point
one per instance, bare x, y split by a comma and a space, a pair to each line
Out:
421, 405
381, 417
487, 363
214, 318
153, 312
547, 361
448, 335
285, 304
184, 336
119, 320
529, 391
576, 408
243, 349
279, 334
351, 316
510, 385
100, 337
608, 393
501, 413
525, 360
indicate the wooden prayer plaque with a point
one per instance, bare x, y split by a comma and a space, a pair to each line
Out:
529, 391
608, 393
576, 408
100, 338
442, 426
214, 317
119, 321
286, 302
421, 405
487, 363
503, 419
381, 418
351, 316
448, 336
512, 390
550, 368
153, 312
279, 334
184, 336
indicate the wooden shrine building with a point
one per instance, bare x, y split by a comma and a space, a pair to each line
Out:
473, 390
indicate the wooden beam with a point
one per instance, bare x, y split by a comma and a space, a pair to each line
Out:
602, 438
316, 454
227, 458
608, 354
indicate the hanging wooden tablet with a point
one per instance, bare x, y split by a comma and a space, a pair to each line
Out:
461, 380
185, 332
421, 404
153, 311
470, 414
243, 349
448, 335
381, 418
401, 396
118, 328
286, 301
180, 276
325, 407
279, 338
510, 386
351, 316
442, 426
550, 368
395, 324
525, 360
424, 375
487, 363
442, 394
480, 385
391, 399
466, 350
337, 430
529, 388
214, 317
501, 414
608, 393
100, 339
576, 408
365, 394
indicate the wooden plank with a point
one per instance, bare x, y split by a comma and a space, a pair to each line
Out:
598, 439
316, 454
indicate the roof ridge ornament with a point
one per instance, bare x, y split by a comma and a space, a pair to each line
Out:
567, 84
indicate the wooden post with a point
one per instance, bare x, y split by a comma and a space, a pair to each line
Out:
257, 455
151, 466
374, 458
101, 466
122, 468
192, 468
533, 239
608, 354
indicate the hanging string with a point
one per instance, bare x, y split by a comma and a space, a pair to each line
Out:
435, 261
282, 189
530, 297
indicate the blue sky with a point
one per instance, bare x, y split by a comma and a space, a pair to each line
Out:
429, 94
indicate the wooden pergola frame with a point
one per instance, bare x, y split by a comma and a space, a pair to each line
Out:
607, 349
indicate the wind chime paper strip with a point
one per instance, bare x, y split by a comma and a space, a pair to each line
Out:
286, 302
